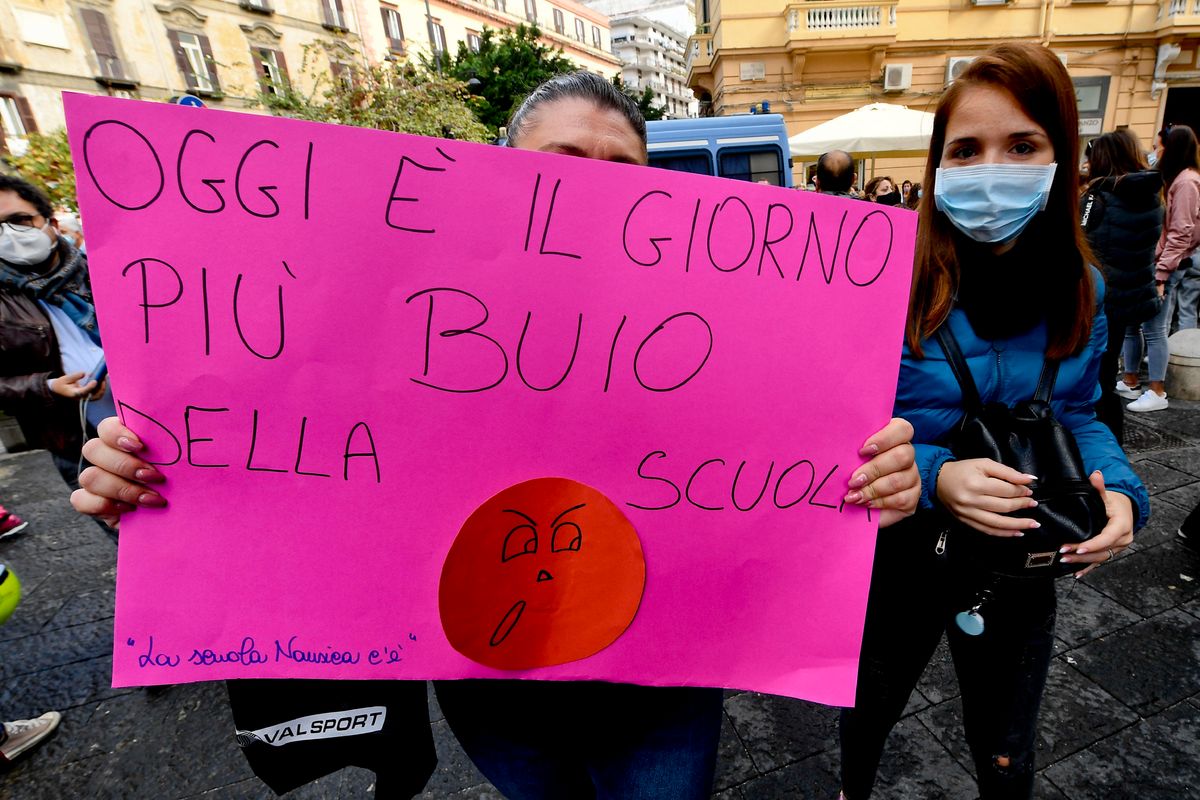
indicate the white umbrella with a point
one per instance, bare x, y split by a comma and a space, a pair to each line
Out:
879, 129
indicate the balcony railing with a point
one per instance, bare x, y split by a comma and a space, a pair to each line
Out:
837, 19
1183, 8
700, 50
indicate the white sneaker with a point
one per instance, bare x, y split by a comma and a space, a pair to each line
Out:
1127, 391
1149, 401
22, 734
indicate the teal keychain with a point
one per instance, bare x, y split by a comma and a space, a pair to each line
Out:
971, 621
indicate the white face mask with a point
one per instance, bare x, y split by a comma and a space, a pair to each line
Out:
25, 246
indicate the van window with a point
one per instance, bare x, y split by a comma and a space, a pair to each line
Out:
697, 162
756, 166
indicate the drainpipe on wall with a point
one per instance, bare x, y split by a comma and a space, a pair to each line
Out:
1048, 31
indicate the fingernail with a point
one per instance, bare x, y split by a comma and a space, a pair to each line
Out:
1065, 549
151, 499
1035, 524
1018, 533
1034, 477
858, 481
1028, 491
129, 445
149, 475
1067, 560
1082, 550
869, 449
854, 497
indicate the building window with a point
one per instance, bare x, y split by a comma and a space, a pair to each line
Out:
560, 24
474, 42
500, 5
16, 122
579, 30
596, 41
108, 61
272, 70
393, 29
334, 15
437, 38
342, 73
261, 6
193, 56
531, 10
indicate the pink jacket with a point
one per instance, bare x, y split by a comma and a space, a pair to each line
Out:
1181, 231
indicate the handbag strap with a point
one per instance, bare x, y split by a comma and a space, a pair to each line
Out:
962, 373
1045, 387
958, 365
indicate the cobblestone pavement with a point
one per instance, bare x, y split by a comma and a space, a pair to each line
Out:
1121, 718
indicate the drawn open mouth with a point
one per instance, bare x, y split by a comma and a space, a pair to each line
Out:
507, 623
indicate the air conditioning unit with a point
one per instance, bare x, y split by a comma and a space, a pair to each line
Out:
753, 71
988, 2
956, 66
897, 77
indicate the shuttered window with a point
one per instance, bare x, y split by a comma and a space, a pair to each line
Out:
16, 121
193, 56
335, 15
393, 29
108, 60
271, 68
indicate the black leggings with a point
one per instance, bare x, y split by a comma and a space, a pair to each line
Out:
914, 596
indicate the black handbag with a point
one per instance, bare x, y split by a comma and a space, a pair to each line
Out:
1027, 438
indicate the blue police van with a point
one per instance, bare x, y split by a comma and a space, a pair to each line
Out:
747, 147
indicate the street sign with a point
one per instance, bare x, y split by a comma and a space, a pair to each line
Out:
188, 100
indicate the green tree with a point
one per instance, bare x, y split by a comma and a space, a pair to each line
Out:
47, 164
387, 97
508, 65
644, 99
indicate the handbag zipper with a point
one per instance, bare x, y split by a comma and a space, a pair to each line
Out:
941, 542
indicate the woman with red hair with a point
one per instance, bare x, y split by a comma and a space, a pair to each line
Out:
1001, 262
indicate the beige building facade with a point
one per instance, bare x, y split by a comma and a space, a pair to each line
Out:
223, 51
219, 51
1135, 63
583, 34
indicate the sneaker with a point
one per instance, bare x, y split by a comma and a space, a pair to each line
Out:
1127, 391
22, 734
10, 524
1149, 401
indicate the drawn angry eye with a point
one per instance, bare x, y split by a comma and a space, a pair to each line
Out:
567, 536
520, 541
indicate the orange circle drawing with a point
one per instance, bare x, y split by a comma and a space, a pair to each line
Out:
545, 572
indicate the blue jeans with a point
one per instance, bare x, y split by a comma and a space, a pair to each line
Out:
1154, 332
549, 740
1187, 296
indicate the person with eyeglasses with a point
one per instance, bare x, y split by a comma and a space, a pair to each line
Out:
48, 330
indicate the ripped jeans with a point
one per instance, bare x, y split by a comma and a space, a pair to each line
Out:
914, 596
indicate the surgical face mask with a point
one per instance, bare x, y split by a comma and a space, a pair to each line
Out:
25, 246
993, 202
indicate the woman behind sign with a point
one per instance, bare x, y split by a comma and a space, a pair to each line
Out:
537, 739
1001, 260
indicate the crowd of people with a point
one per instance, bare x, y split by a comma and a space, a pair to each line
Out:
1017, 261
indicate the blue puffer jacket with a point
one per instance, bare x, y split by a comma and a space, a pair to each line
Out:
1007, 371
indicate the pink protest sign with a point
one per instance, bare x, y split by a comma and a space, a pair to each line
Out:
430, 409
